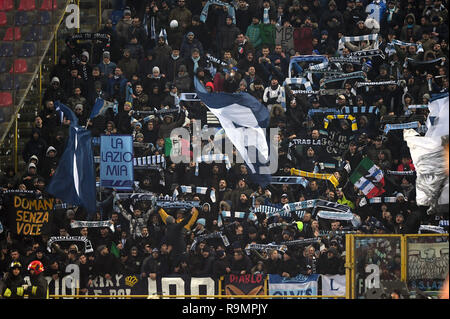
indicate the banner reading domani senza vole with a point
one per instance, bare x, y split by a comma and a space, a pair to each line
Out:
27, 214
116, 162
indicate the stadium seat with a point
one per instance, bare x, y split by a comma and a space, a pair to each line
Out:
6, 5
49, 5
7, 83
116, 16
5, 99
27, 5
35, 34
3, 67
12, 34
21, 18
44, 18
27, 50
3, 18
20, 66
6, 49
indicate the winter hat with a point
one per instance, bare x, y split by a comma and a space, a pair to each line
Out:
50, 149
100, 248
34, 157
86, 54
127, 12
155, 69
55, 79
31, 165
106, 54
201, 221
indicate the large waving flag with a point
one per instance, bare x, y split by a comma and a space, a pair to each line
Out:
100, 107
245, 121
368, 178
74, 178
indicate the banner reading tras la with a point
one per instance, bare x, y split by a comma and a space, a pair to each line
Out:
28, 214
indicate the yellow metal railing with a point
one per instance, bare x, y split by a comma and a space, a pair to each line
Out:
351, 263
192, 296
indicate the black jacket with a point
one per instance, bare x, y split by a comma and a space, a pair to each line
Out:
12, 282
38, 288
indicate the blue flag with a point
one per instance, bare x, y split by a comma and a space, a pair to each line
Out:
245, 121
64, 110
74, 178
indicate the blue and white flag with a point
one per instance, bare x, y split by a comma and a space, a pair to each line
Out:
74, 178
300, 285
101, 106
245, 121
116, 162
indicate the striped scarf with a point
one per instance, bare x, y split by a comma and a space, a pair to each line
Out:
380, 83
87, 248
444, 223
344, 77
326, 121
332, 233
174, 204
360, 110
330, 177
298, 242
312, 112
264, 247
299, 81
401, 173
417, 106
400, 126
377, 200
235, 215
352, 60
335, 215
195, 190
367, 37
215, 235
367, 53
150, 161
431, 228
303, 92
289, 180
208, 158
266, 19
390, 47
91, 224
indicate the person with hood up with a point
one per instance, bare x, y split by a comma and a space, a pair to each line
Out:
189, 43
273, 94
329, 262
183, 80
50, 163
55, 92
128, 65
35, 146
410, 32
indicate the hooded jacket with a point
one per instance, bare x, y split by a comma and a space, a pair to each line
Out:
413, 30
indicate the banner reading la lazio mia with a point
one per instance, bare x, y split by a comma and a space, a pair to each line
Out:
116, 162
